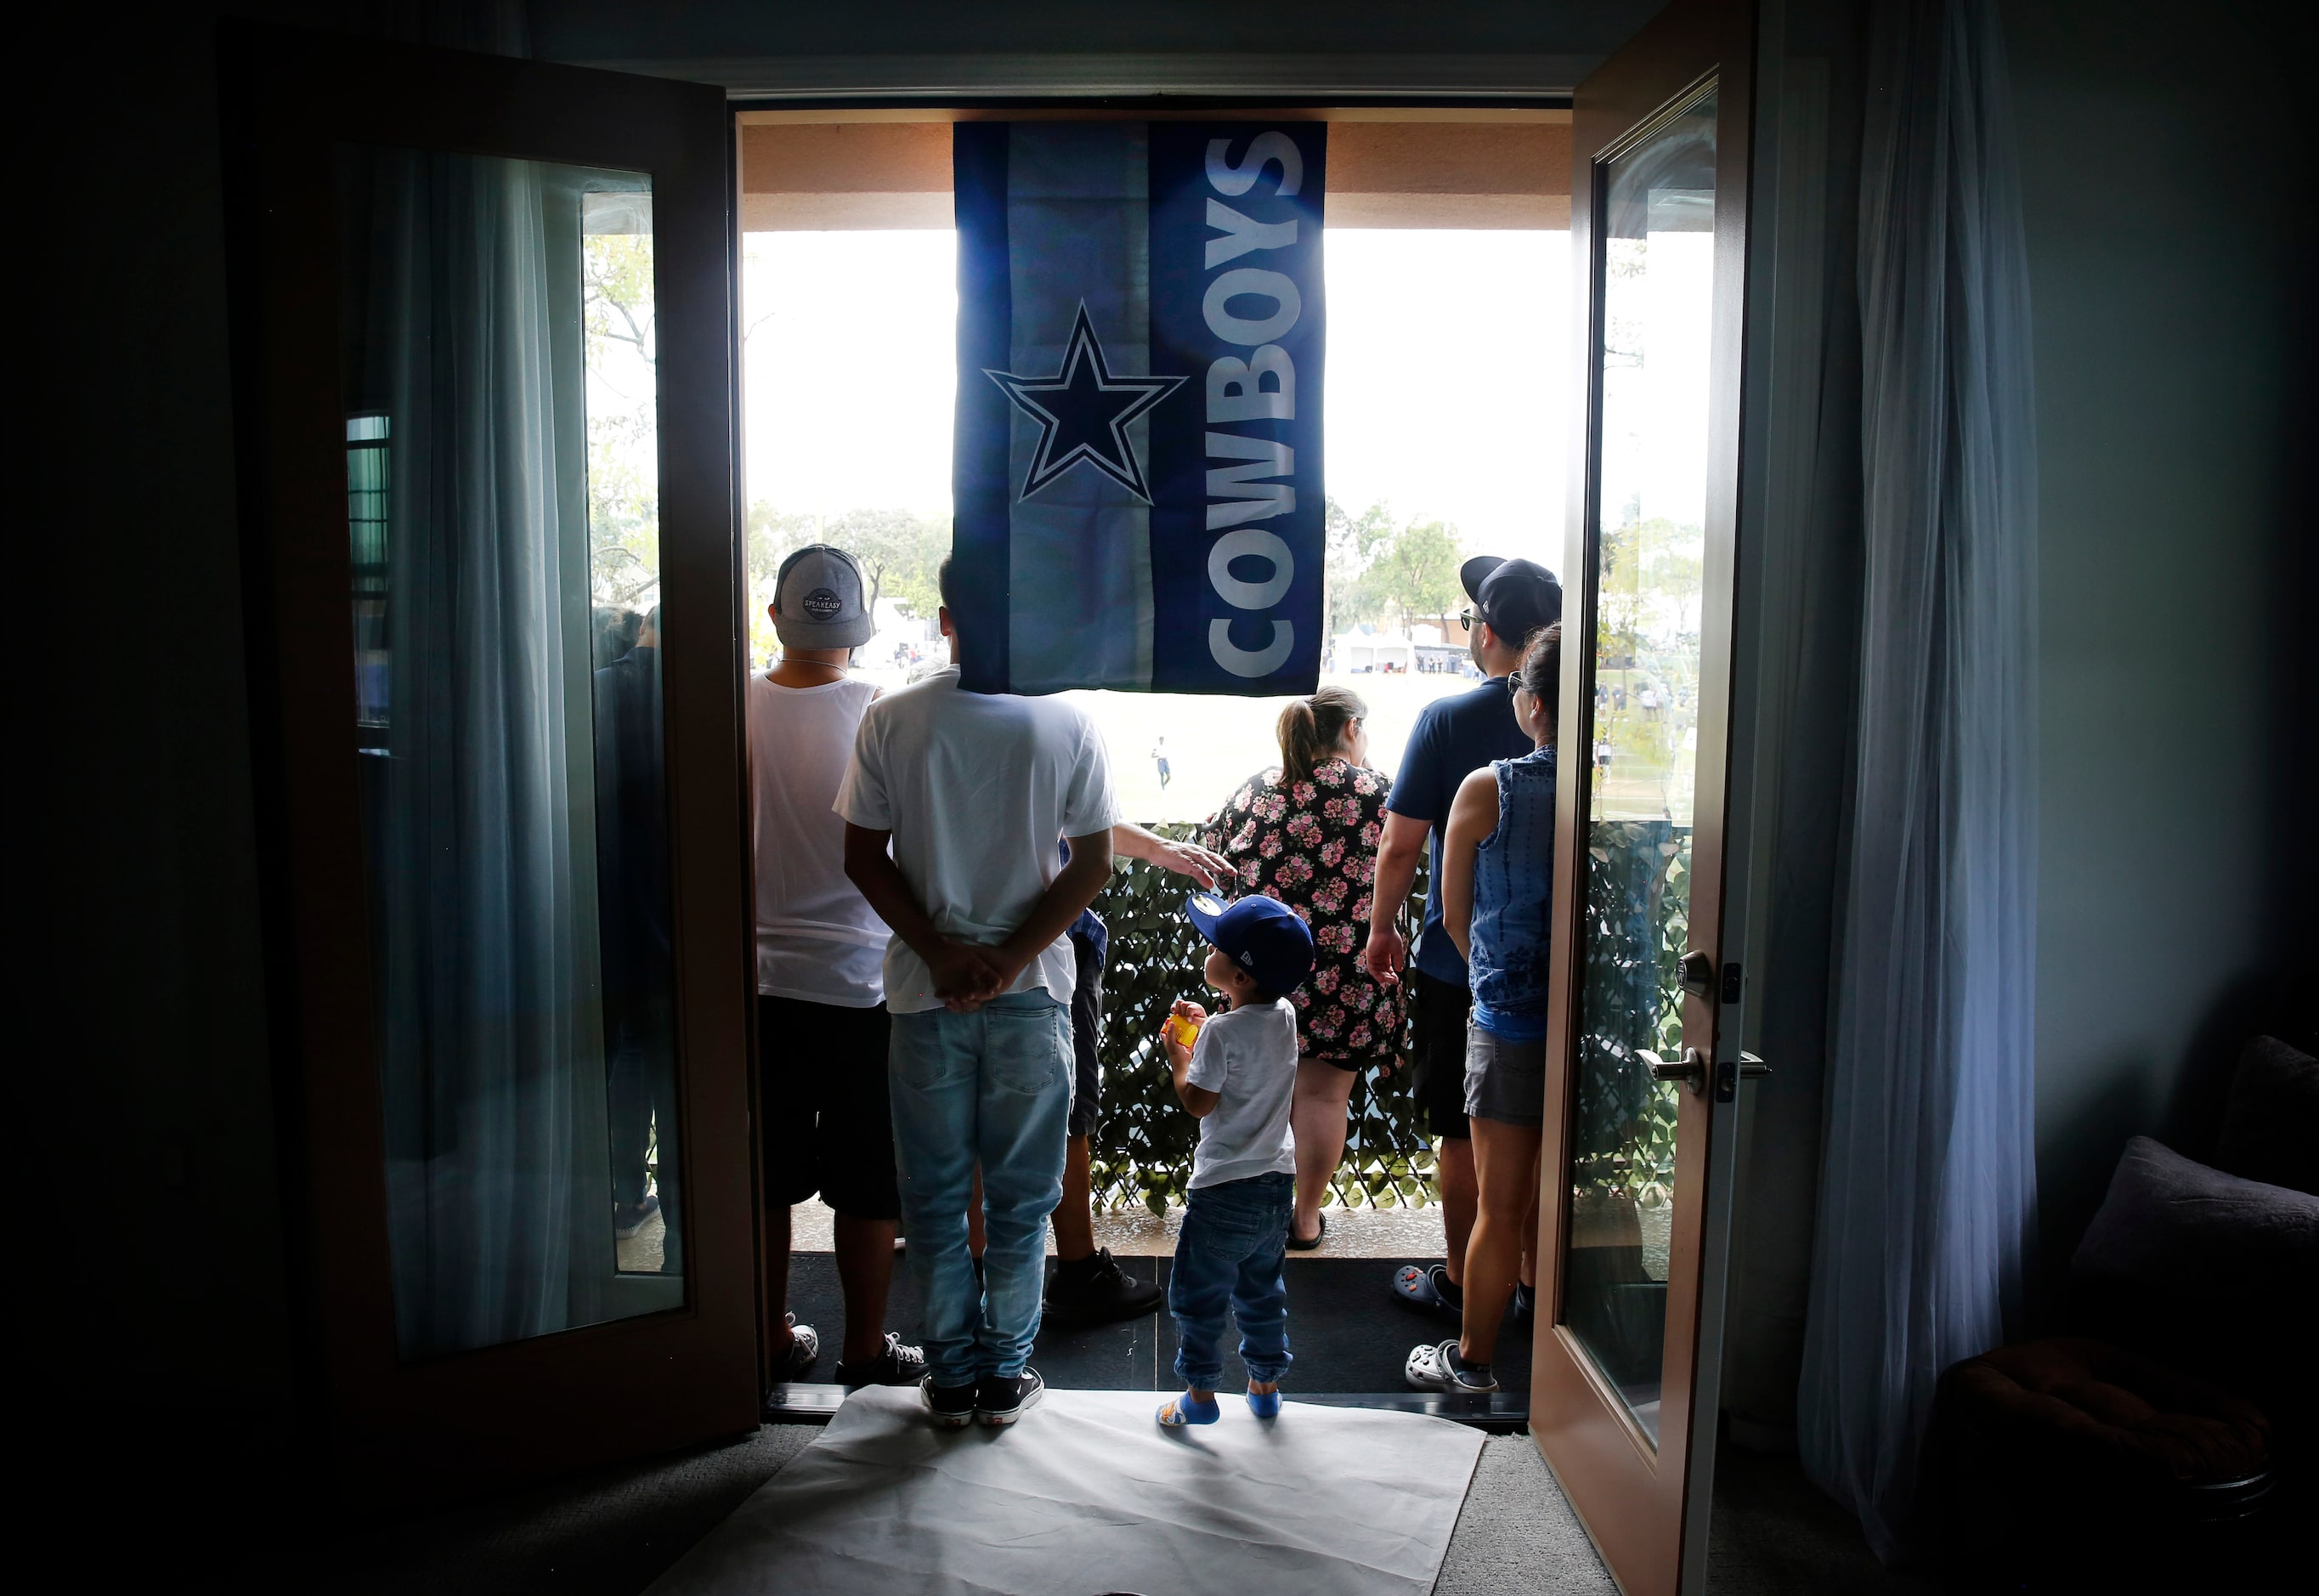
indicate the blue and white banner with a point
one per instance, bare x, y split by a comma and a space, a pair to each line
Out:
1137, 462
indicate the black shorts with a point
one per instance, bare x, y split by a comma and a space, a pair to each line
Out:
1087, 1038
1439, 1011
826, 1119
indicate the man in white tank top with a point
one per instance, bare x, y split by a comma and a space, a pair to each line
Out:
825, 1116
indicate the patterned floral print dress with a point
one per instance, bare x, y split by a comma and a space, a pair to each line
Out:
1313, 845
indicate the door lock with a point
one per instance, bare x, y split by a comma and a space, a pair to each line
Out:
1692, 1072
1696, 973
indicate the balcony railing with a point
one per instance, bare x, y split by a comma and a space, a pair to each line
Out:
1638, 885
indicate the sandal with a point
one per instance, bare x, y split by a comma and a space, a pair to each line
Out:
1182, 1411
1297, 1244
1419, 1286
1439, 1368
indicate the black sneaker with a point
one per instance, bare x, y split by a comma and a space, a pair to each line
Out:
953, 1406
1094, 1290
1439, 1368
629, 1218
1000, 1399
894, 1365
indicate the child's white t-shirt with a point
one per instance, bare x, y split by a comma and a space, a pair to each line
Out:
1248, 1057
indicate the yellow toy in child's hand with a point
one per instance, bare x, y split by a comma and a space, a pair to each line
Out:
1181, 1029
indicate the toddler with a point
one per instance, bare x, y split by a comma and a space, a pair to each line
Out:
1236, 1074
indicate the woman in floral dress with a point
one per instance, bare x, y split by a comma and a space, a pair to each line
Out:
1306, 834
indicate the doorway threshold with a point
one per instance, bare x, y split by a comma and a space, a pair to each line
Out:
1504, 1413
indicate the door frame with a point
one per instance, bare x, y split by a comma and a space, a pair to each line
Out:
398, 1433
1637, 1500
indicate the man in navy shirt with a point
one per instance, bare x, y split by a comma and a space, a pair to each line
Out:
1454, 737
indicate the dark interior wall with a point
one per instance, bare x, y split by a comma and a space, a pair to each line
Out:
2166, 184
2168, 205
164, 1255
740, 30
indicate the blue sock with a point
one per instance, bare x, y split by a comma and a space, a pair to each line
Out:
1188, 1411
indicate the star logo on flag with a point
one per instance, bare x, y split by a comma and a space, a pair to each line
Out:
1082, 412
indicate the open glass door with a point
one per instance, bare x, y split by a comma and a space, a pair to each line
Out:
1658, 224
484, 351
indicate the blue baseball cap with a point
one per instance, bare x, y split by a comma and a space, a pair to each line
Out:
1260, 934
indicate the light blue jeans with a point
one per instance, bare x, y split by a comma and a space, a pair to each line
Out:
994, 1085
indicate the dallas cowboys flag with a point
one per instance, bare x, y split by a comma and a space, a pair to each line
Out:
1137, 462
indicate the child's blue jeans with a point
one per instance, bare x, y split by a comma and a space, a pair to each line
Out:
1229, 1251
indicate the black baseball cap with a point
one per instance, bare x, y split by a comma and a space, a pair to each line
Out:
1516, 597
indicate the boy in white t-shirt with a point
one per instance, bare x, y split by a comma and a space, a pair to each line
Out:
1238, 1079
953, 803
824, 1118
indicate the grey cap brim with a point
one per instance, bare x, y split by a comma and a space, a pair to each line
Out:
802, 633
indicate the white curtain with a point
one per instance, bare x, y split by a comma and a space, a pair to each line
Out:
482, 881
1928, 1187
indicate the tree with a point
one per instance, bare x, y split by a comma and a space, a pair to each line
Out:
900, 553
623, 444
1352, 544
1416, 571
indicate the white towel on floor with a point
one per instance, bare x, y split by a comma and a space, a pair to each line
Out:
1088, 1495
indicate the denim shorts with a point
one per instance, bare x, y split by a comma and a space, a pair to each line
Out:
1505, 1081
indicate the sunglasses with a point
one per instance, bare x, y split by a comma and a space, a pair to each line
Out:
1466, 618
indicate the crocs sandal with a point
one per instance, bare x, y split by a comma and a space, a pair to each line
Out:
1418, 1286
1319, 1236
1438, 1367
1183, 1410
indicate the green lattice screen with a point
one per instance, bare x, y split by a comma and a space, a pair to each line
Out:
1143, 1154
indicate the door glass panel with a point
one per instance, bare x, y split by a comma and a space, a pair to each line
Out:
1657, 279
502, 522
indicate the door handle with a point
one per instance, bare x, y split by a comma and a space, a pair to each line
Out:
1692, 1072
1729, 1075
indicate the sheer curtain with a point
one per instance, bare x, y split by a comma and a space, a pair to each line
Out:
1927, 1191
482, 881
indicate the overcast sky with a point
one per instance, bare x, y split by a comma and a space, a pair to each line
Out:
1446, 376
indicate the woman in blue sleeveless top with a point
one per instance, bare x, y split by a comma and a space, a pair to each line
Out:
1497, 904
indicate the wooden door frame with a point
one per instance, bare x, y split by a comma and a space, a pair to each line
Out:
398, 1433
1630, 1496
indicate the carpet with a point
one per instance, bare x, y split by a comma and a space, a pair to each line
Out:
1087, 1495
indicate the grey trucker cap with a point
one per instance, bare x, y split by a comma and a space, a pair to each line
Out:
819, 600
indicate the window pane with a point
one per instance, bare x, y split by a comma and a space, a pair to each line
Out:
1657, 271
502, 526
